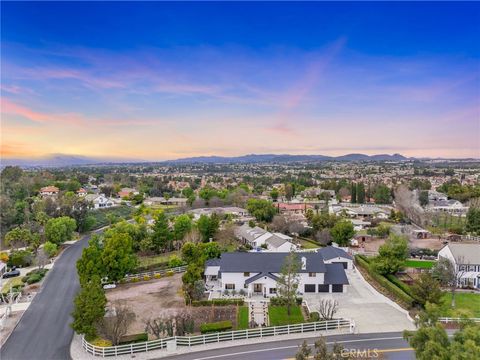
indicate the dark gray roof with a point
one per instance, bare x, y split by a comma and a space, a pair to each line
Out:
212, 262
267, 262
260, 275
335, 274
331, 252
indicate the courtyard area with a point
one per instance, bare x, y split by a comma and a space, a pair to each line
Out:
371, 311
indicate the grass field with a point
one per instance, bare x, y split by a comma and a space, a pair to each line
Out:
422, 264
148, 261
466, 304
100, 215
278, 315
242, 318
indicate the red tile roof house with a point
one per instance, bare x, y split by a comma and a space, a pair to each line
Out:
49, 191
81, 192
293, 208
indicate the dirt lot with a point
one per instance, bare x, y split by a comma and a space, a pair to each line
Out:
150, 299
431, 243
163, 298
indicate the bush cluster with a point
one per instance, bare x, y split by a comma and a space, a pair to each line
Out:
281, 301
34, 276
215, 327
218, 302
314, 316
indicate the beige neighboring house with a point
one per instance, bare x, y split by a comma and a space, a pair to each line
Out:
82, 192
125, 192
49, 191
99, 201
466, 258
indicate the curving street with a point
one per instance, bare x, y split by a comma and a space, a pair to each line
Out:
44, 332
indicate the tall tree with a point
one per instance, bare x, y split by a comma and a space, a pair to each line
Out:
392, 255
473, 220
90, 263
208, 226
360, 193
118, 257
162, 236
289, 280
183, 224
59, 230
353, 193
89, 308
342, 232
448, 274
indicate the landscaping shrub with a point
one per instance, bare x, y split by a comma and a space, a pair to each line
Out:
146, 278
218, 302
215, 327
175, 261
314, 316
135, 338
135, 279
34, 276
20, 258
280, 301
400, 284
157, 276
169, 273
101, 342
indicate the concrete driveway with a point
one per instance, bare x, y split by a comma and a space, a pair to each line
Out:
371, 311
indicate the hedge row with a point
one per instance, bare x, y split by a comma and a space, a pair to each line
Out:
281, 301
218, 302
406, 299
215, 327
400, 284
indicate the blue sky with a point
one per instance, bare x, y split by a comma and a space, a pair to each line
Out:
165, 80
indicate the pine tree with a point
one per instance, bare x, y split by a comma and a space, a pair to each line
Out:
353, 193
360, 193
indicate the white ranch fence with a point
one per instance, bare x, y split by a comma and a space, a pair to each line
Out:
457, 320
190, 341
151, 274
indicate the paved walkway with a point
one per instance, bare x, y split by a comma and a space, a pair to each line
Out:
371, 311
258, 312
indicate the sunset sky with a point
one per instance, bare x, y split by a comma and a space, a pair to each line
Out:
157, 81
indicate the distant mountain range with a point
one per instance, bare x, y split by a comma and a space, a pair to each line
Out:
63, 160
284, 158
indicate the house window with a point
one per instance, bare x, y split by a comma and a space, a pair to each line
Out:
273, 290
310, 288
230, 286
246, 274
311, 274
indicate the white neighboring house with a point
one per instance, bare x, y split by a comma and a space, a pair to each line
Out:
99, 201
257, 238
257, 273
49, 191
466, 258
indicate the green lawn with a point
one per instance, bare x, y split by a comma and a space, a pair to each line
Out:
242, 318
466, 304
422, 264
308, 244
278, 315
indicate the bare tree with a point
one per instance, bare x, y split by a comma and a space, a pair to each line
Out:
180, 324
328, 308
279, 223
41, 258
193, 236
295, 227
116, 326
408, 203
323, 237
289, 280
226, 235
449, 274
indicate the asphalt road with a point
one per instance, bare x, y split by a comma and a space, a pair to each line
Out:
391, 345
44, 332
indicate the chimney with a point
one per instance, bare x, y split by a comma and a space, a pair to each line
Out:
304, 263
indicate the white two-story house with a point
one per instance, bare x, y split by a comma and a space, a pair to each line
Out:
99, 201
257, 238
466, 258
258, 273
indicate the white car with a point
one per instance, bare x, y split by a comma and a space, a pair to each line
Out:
109, 286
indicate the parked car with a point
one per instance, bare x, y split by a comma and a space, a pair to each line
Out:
11, 274
109, 286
